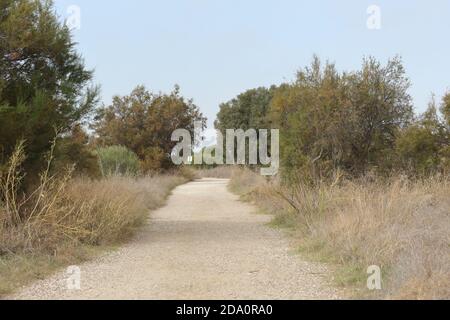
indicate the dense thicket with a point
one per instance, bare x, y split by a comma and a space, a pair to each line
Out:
353, 121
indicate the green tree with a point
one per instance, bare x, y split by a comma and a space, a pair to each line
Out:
423, 147
44, 85
445, 108
348, 120
247, 111
144, 122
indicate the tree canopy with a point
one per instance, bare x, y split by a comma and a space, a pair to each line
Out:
143, 122
44, 85
354, 121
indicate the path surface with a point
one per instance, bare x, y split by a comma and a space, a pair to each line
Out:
205, 244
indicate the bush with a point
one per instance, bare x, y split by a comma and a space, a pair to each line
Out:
118, 160
74, 150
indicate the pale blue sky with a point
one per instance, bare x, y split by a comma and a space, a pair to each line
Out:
217, 49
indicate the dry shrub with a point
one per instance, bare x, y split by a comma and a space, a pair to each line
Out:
398, 224
63, 211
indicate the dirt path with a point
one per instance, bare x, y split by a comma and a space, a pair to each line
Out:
205, 244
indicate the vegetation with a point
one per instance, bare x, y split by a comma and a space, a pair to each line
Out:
397, 224
247, 111
424, 147
118, 161
357, 122
64, 191
143, 122
69, 214
44, 86
364, 181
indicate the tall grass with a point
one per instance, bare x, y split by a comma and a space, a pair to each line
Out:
220, 172
398, 224
64, 212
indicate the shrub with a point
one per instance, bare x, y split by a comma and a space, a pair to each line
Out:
118, 160
74, 150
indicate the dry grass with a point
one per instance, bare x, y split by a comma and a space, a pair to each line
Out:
400, 225
64, 216
221, 172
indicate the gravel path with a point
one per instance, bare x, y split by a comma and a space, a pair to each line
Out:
205, 244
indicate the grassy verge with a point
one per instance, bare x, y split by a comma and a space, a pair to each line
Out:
67, 220
397, 224
220, 172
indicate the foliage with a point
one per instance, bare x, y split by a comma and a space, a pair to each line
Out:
44, 85
423, 147
247, 111
445, 108
74, 149
144, 122
118, 160
331, 120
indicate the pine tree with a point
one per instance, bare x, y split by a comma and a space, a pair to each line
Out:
44, 85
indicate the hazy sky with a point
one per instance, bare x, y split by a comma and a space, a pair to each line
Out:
217, 49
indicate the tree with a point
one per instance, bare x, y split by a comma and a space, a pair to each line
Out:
308, 113
247, 111
380, 106
349, 120
74, 149
44, 85
445, 108
144, 122
423, 147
